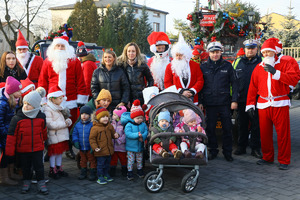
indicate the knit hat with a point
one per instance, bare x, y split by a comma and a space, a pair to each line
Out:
86, 110
164, 115
21, 42
55, 91
34, 98
101, 112
189, 115
104, 94
269, 44
12, 85
136, 109
26, 85
81, 49
120, 110
241, 52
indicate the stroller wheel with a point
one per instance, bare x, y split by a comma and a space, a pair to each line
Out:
189, 182
151, 184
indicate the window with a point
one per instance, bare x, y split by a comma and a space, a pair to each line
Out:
156, 14
156, 27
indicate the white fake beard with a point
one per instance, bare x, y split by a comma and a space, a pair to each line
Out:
23, 58
180, 68
60, 61
158, 68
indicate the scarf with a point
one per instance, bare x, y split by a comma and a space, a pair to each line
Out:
12, 72
31, 113
132, 62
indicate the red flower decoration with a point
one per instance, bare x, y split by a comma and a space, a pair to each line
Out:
190, 17
213, 39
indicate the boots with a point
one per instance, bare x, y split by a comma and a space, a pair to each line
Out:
42, 187
177, 154
53, 173
124, 171
12, 174
112, 171
93, 174
187, 154
26, 186
5, 177
163, 153
83, 174
61, 172
199, 155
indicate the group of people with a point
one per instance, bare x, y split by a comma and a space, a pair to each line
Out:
78, 99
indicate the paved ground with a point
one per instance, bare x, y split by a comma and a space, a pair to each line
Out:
241, 179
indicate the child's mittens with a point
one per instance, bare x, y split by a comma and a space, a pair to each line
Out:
97, 149
116, 135
76, 145
68, 122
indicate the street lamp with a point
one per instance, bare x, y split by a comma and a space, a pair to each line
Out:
251, 16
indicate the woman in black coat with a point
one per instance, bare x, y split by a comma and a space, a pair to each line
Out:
137, 71
111, 77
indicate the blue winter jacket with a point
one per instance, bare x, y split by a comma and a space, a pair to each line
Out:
81, 134
132, 133
6, 114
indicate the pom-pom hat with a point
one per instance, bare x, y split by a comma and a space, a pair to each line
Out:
21, 42
55, 91
101, 112
136, 109
81, 50
12, 85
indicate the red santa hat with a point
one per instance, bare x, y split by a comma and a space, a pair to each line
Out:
136, 109
278, 44
21, 42
157, 38
26, 85
269, 44
195, 52
55, 91
241, 52
61, 40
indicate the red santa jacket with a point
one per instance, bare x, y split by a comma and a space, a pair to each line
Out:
195, 81
88, 68
26, 134
34, 69
70, 81
273, 89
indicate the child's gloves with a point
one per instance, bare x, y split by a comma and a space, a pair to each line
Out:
76, 145
68, 122
97, 149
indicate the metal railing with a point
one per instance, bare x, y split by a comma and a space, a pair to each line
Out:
292, 51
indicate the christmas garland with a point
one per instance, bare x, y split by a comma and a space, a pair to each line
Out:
65, 29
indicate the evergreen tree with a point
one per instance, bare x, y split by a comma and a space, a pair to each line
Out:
85, 21
144, 29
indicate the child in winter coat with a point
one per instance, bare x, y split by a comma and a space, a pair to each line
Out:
101, 137
81, 134
136, 133
119, 144
58, 133
10, 99
191, 122
26, 136
162, 124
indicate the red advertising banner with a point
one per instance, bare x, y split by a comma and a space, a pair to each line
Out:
208, 20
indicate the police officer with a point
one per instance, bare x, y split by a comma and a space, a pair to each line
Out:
215, 96
244, 67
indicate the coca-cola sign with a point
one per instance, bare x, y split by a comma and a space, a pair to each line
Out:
208, 20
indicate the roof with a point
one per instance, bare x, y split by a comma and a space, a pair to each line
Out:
104, 3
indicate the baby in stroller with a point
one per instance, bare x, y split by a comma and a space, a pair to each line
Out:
162, 123
190, 122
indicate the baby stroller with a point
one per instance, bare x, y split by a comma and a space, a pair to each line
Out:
154, 180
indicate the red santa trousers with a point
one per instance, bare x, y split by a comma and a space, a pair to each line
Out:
279, 116
172, 147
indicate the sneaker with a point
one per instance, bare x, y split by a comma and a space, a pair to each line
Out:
108, 178
177, 154
61, 172
263, 162
283, 167
42, 187
140, 173
26, 186
101, 180
130, 175
187, 154
199, 155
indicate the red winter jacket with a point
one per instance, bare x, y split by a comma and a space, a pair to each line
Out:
26, 134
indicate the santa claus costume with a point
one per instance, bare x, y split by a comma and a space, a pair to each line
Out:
184, 74
159, 62
270, 80
31, 63
62, 68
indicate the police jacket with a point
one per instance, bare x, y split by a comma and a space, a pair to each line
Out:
243, 69
114, 80
218, 77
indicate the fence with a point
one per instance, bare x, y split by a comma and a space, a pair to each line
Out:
292, 51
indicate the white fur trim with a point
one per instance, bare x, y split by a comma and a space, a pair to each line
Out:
69, 104
62, 79
55, 94
280, 103
60, 41
276, 76
194, 90
161, 42
82, 99
269, 84
27, 87
249, 107
22, 47
29, 66
153, 48
270, 49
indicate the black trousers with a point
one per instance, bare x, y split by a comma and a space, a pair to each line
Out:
35, 160
243, 125
4, 160
211, 119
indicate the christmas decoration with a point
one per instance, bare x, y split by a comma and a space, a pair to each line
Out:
65, 30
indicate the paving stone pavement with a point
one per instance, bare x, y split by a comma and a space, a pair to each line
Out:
241, 179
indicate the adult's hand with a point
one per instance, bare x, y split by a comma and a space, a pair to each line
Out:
234, 105
251, 113
187, 93
200, 106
